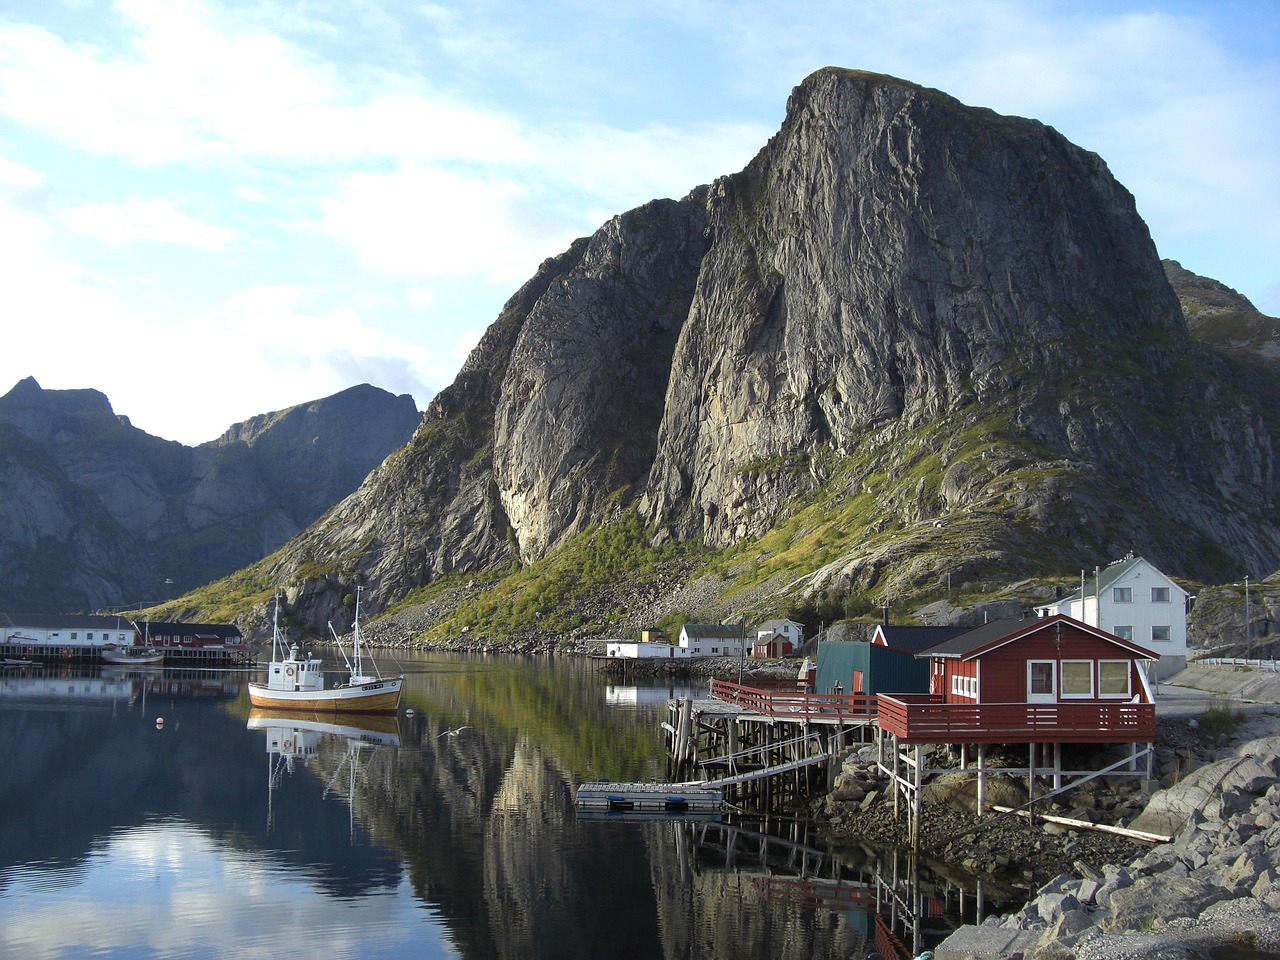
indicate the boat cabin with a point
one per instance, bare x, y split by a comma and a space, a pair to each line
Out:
295, 673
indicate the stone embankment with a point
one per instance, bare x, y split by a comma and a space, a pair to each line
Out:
1211, 891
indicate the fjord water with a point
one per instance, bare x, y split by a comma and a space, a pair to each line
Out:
150, 815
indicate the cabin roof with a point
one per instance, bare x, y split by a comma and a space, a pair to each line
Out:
707, 631
163, 627
912, 639
997, 633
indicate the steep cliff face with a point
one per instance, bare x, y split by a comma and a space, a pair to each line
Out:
890, 256
575, 429
939, 337
98, 512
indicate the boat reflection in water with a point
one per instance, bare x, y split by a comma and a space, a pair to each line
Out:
299, 736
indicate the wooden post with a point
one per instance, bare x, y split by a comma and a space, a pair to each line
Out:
1031, 783
917, 802
982, 778
897, 784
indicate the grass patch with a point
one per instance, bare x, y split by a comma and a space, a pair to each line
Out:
1220, 718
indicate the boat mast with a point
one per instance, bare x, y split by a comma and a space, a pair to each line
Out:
275, 631
355, 638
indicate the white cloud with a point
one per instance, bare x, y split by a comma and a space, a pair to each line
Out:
18, 174
427, 221
149, 221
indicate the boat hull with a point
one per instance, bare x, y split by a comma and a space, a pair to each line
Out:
119, 656
378, 696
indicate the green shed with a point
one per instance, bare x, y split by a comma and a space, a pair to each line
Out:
859, 666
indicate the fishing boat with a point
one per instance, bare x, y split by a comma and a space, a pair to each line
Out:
132, 655
296, 682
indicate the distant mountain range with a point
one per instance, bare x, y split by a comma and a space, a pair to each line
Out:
97, 513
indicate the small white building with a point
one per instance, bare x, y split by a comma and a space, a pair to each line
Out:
644, 650
1133, 600
713, 639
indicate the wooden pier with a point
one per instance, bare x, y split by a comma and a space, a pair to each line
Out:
764, 745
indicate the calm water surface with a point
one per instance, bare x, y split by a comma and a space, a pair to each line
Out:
156, 816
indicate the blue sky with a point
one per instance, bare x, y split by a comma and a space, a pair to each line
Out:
211, 209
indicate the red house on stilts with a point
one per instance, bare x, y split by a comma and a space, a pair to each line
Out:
1036, 681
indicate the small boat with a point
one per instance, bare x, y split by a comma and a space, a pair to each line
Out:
134, 655
295, 682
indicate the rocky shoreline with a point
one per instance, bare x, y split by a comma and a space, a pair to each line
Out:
1211, 891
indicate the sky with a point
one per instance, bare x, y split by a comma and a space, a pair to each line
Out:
211, 209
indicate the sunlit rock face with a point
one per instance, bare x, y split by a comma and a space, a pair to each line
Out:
950, 323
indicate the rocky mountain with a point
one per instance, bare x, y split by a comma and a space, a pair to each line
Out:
97, 512
914, 347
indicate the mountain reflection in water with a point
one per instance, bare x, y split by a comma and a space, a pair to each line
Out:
221, 831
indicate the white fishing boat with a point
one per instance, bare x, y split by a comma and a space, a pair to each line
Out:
295, 682
132, 655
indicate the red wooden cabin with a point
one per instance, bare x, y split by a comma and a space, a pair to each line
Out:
1047, 680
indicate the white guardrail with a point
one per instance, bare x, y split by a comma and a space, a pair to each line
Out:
1272, 665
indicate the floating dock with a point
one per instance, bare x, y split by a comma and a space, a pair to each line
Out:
650, 797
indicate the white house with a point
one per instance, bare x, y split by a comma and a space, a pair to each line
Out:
777, 638
712, 639
644, 650
1133, 600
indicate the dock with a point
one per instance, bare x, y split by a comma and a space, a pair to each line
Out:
650, 797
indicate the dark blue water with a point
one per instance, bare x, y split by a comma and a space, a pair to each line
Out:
152, 816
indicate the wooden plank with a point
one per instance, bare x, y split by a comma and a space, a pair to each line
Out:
1086, 825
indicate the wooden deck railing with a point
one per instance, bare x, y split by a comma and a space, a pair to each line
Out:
792, 704
922, 718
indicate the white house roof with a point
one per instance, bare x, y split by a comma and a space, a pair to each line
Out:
1112, 573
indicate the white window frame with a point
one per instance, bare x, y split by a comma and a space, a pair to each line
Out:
1122, 594
1128, 679
1123, 631
964, 686
1160, 594
1047, 697
1067, 695
1168, 633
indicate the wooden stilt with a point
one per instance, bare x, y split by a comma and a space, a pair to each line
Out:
982, 778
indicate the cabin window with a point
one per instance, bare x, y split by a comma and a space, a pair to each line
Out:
964, 686
1159, 594
1124, 633
89, 635
1159, 634
1113, 678
1040, 674
1122, 594
74, 634
1077, 678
